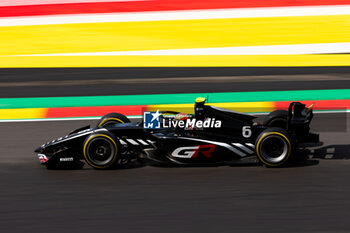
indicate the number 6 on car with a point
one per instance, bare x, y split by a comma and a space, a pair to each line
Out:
246, 131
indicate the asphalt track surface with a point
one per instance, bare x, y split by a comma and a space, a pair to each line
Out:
128, 81
313, 195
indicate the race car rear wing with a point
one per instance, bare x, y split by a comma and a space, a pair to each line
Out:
299, 119
298, 114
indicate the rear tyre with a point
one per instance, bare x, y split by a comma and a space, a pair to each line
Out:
274, 147
101, 151
277, 118
112, 118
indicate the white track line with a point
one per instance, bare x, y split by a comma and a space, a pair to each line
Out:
49, 2
138, 117
178, 15
244, 50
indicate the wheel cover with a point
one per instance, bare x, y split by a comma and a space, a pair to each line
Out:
274, 149
110, 121
100, 151
279, 122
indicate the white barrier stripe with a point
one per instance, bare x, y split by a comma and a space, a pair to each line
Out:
142, 142
152, 143
132, 141
251, 145
243, 50
240, 146
238, 152
122, 142
139, 117
178, 15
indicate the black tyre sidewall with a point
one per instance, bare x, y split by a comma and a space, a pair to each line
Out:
278, 122
275, 131
116, 117
276, 116
109, 137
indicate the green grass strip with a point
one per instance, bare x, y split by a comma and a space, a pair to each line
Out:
224, 97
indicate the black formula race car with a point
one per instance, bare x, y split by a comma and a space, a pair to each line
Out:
210, 136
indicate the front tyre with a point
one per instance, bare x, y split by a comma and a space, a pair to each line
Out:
112, 118
100, 151
274, 147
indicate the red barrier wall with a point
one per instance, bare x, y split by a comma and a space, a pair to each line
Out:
156, 5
